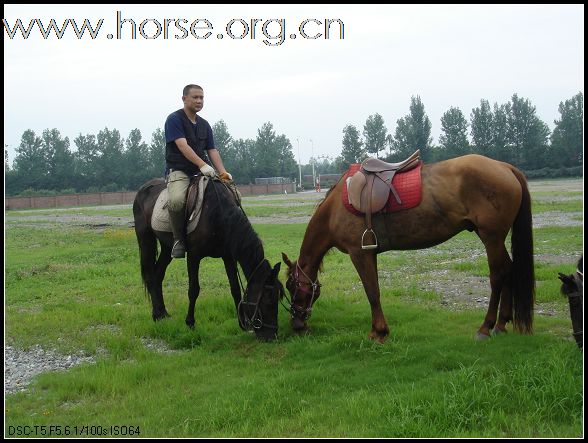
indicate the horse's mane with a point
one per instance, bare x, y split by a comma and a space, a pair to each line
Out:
240, 240
317, 206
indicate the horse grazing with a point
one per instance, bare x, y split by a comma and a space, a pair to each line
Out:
471, 192
223, 231
573, 287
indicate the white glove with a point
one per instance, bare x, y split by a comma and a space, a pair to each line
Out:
207, 170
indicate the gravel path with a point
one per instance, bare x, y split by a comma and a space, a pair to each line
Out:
21, 366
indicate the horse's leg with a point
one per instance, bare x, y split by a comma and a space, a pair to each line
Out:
366, 265
156, 289
505, 313
499, 263
193, 264
231, 268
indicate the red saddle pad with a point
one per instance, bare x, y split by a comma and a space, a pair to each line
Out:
407, 184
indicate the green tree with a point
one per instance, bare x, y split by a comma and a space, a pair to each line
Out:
353, 151
481, 130
86, 158
412, 132
265, 151
6, 165
136, 157
403, 142
222, 138
567, 140
453, 139
287, 166
374, 133
60, 162
500, 147
157, 153
109, 164
30, 162
243, 170
527, 134
223, 142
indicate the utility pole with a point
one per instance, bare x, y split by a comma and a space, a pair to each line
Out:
312, 159
299, 166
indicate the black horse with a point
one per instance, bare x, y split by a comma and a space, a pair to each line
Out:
223, 231
573, 287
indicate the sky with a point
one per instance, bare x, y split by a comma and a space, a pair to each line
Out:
276, 63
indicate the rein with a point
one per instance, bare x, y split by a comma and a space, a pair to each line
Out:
256, 320
312, 288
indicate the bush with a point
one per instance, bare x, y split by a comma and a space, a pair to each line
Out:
575, 171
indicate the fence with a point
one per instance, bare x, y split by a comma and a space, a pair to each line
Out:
121, 198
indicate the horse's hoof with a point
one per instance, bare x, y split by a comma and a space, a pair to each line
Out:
160, 316
380, 338
190, 324
480, 337
497, 331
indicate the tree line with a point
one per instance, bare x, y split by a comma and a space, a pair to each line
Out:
510, 132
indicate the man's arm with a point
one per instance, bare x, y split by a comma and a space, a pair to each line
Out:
216, 160
185, 149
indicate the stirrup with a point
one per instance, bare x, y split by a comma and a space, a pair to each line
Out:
369, 246
178, 250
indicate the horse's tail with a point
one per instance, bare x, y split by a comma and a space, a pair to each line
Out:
522, 275
147, 244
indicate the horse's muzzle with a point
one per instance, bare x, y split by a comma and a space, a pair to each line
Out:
298, 324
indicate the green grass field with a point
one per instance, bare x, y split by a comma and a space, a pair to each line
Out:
77, 290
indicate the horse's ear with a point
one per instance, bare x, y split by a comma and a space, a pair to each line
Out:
276, 270
567, 279
286, 260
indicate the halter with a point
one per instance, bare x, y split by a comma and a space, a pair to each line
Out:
256, 321
578, 277
579, 281
312, 287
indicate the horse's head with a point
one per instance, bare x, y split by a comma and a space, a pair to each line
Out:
573, 288
303, 293
259, 308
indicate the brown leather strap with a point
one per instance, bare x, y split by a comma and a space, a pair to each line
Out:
392, 188
368, 213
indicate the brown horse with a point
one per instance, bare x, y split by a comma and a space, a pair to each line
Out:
470, 192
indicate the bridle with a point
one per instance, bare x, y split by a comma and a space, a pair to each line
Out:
303, 287
256, 320
579, 281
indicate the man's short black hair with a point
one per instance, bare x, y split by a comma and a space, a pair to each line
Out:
188, 87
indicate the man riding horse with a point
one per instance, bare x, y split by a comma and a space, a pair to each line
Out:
189, 150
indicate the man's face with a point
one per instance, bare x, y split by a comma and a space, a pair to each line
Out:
194, 100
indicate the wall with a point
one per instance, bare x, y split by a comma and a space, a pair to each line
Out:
119, 198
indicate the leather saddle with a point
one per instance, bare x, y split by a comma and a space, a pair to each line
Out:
195, 194
370, 188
